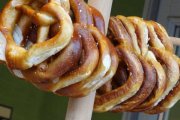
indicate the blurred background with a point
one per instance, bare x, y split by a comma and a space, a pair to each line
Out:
29, 103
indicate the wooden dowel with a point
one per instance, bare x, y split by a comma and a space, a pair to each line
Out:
82, 108
104, 6
175, 41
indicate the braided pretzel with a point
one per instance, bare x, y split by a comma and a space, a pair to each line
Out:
41, 37
109, 100
173, 96
38, 73
150, 75
98, 76
169, 100
63, 62
98, 19
20, 58
93, 82
142, 35
103, 101
42, 75
41, 78
140, 26
162, 36
132, 33
97, 79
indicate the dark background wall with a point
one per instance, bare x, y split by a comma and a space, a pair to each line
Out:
29, 103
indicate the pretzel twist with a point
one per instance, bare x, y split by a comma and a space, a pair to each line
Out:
20, 58
84, 60
151, 44
162, 36
124, 26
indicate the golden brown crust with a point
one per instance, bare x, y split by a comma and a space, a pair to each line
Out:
159, 88
77, 63
20, 58
84, 70
103, 73
81, 11
171, 99
109, 100
145, 90
141, 31
98, 19
163, 36
60, 69
172, 71
55, 67
131, 31
154, 40
118, 31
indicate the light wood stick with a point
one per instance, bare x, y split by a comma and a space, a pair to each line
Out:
104, 6
82, 108
175, 41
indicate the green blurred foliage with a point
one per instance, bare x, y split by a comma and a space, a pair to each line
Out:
128, 7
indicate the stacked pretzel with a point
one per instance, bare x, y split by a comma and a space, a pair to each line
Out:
60, 46
147, 78
55, 46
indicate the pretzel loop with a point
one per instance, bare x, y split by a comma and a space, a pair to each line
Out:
20, 58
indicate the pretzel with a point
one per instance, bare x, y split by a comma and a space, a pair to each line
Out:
163, 56
172, 76
120, 35
159, 88
43, 79
72, 56
118, 32
51, 74
108, 100
98, 19
81, 11
150, 74
20, 58
39, 73
103, 72
98, 76
141, 31
162, 36
42, 72
46, 72
169, 100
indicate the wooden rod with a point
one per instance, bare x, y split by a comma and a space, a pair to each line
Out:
82, 108
175, 41
104, 6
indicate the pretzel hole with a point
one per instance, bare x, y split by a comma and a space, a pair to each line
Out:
117, 81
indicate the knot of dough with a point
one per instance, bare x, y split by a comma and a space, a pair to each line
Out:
18, 57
